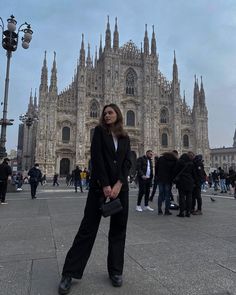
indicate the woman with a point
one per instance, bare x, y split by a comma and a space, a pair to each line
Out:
110, 160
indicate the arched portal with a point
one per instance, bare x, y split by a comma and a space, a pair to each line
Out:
64, 167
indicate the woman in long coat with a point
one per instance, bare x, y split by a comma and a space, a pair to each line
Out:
110, 161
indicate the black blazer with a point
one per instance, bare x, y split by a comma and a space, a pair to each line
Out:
142, 164
109, 165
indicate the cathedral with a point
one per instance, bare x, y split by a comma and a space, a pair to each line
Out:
156, 116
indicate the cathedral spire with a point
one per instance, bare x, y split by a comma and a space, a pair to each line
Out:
202, 94
31, 98
44, 74
108, 36
175, 70
100, 47
234, 144
146, 42
82, 53
96, 57
53, 84
116, 37
35, 99
195, 93
184, 100
89, 62
153, 45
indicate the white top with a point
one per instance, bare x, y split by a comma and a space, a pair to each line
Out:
148, 169
115, 140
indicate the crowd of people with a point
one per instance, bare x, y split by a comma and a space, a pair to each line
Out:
187, 173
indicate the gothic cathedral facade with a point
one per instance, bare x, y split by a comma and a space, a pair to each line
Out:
155, 115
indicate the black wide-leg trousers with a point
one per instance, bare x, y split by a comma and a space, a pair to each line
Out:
79, 253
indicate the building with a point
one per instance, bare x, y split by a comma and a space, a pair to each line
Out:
224, 157
156, 116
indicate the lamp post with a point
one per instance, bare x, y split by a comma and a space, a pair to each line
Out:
28, 120
9, 43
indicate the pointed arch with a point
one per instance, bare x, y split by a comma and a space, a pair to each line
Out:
66, 134
130, 118
164, 139
164, 116
186, 141
94, 109
131, 82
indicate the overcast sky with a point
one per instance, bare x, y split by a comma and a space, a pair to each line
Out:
202, 32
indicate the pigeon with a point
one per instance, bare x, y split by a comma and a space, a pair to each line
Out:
212, 199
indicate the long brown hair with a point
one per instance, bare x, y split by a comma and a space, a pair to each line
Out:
117, 128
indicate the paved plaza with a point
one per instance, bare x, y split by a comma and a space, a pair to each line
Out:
165, 255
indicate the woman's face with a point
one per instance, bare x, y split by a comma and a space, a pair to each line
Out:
110, 116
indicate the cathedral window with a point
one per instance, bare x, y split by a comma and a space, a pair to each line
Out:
164, 116
130, 118
131, 82
185, 141
91, 134
164, 140
94, 110
65, 134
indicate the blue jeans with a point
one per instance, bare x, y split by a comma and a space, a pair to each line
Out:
223, 185
164, 195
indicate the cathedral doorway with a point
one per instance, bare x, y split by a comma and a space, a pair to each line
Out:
133, 157
64, 167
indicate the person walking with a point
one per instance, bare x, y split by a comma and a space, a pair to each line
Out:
144, 175
110, 162
5, 172
35, 175
165, 170
55, 179
200, 178
155, 183
77, 178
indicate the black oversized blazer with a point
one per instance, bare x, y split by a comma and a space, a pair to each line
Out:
109, 165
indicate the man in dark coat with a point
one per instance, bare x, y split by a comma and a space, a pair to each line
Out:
5, 172
144, 175
77, 178
164, 171
185, 179
200, 178
35, 177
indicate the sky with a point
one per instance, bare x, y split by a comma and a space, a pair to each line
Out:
202, 33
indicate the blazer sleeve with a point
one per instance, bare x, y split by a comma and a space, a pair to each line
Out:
97, 158
126, 165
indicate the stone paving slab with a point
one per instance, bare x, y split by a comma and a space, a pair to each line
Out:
165, 255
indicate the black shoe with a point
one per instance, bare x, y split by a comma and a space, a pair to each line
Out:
64, 286
187, 214
180, 215
116, 280
160, 212
167, 212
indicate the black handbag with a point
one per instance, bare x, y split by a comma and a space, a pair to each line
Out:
111, 207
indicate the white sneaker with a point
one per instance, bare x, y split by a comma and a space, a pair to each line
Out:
19, 189
148, 208
4, 203
139, 208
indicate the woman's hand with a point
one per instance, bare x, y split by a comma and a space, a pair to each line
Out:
116, 190
107, 191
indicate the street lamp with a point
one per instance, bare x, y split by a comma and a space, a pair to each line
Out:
28, 120
9, 43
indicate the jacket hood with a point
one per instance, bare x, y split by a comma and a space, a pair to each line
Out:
184, 157
169, 156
